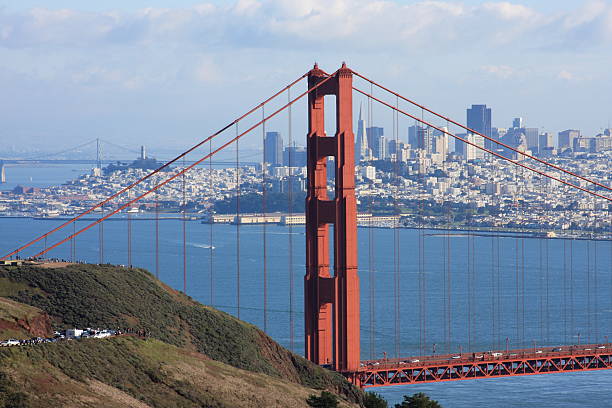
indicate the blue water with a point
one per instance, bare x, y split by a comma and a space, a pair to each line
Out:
555, 319
41, 175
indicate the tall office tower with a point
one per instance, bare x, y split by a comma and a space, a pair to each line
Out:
382, 148
392, 147
533, 136
439, 143
498, 134
566, 138
374, 135
412, 136
294, 156
546, 140
361, 147
424, 139
470, 151
517, 123
479, 120
273, 143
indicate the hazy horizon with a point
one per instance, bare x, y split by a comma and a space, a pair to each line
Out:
148, 72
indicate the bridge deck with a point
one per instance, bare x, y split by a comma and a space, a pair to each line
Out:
455, 367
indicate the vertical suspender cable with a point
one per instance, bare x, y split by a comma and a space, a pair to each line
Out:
184, 222
264, 228
565, 291
396, 254
596, 286
101, 238
156, 234
522, 204
372, 279
449, 287
74, 243
422, 294
541, 270
237, 220
290, 213
129, 238
210, 231
470, 270
588, 290
571, 287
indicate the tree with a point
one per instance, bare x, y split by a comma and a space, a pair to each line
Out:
326, 400
373, 400
418, 400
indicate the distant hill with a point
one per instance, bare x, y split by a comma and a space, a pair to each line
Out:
114, 297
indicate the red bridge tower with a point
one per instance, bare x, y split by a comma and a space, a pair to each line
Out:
331, 302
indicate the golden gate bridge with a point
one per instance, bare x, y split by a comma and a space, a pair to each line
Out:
332, 290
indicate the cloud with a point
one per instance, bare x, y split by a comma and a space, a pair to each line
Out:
366, 25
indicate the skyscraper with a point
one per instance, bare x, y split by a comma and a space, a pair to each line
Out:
566, 139
546, 140
479, 120
533, 136
361, 146
517, 123
376, 141
273, 145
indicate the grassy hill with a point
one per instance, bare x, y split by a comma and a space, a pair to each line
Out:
109, 296
128, 371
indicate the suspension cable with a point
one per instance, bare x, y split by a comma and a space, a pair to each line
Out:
480, 134
517, 163
149, 175
169, 179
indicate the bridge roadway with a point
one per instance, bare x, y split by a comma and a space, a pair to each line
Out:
491, 364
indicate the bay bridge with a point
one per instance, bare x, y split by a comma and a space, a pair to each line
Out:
333, 298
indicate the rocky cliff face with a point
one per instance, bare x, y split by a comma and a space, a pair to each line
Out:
22, 321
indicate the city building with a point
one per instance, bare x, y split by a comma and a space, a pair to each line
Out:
361, 145
532, 135
470, 151
566, 139
294, 156
376, 141
479, 120
273, 147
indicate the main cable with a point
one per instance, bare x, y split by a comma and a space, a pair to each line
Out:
488, 150
480, 134
159, 169
161, 184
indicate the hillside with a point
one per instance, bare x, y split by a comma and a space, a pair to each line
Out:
128, 371
22, 321
108, 296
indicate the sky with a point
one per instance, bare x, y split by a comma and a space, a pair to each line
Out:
168, 73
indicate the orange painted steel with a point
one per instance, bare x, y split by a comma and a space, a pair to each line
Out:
332, 330
455, 367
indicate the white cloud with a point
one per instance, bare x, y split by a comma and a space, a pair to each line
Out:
367, 25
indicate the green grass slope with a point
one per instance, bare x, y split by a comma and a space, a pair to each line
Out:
132, 372
109, 296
